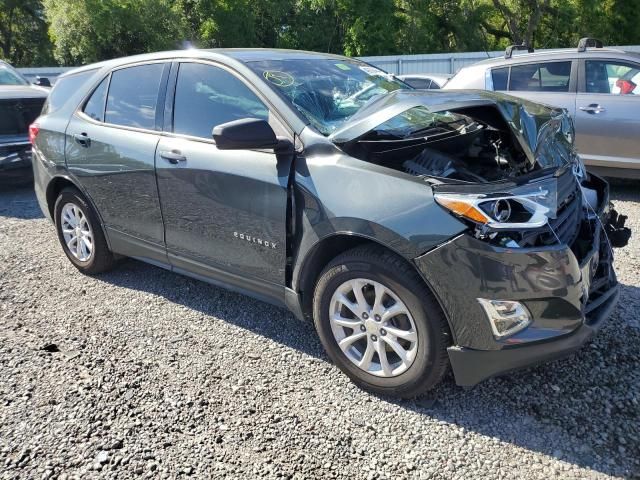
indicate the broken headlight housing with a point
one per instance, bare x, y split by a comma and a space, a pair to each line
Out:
520, 207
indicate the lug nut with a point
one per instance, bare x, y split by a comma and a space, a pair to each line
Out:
377, 318
363, 328
374, 338
383, 332
365, 316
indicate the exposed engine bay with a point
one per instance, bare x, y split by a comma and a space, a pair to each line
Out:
468, 145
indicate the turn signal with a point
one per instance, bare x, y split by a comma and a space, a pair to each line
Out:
463, 209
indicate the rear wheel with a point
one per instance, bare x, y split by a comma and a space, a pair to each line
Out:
80, 233
380, 324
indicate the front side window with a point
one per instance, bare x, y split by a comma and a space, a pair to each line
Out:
614, 78
327, 92
94, 107
540, 77
133, 95
207, 96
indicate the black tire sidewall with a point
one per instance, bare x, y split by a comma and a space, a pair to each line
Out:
425, 368
69, 195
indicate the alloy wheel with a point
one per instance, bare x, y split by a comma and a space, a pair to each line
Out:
373, 327
77, 232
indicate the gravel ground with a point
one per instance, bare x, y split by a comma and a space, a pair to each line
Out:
141, 372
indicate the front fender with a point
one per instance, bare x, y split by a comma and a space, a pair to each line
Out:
339, 195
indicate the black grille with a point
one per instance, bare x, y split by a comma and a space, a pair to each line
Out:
566, 226
16, 115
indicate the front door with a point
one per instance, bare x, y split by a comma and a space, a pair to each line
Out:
607, 119
224, 212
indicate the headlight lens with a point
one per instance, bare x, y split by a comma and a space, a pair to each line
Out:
526, 206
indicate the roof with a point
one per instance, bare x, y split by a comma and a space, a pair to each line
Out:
243, 55
563, 53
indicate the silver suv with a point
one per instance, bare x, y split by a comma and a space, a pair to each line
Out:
600, 88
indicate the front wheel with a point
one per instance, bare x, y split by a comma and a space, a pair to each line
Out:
80, 233
380, 324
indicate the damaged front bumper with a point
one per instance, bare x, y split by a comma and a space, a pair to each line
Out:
569, 290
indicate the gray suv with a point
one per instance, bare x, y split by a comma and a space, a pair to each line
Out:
599, 87
416, 230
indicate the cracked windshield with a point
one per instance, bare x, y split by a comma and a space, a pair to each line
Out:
326, 91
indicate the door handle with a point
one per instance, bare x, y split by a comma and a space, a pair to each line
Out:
173, 156
82, 139
593, 108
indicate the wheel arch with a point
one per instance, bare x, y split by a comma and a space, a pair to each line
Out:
59, 183
325, 250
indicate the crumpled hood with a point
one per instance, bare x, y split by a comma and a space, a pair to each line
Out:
545, 133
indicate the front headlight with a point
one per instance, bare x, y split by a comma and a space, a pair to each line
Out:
526, 206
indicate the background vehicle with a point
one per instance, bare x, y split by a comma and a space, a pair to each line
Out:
425, 81
414, 228
20, 104
597, 86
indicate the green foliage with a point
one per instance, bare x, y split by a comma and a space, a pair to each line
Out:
81, 31
86, 31
23, 33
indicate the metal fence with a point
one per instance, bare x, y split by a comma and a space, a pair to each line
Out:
437, 63
443, 63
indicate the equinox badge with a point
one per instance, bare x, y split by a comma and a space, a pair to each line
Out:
252, 239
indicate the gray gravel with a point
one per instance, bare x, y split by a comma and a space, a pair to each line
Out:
141, 372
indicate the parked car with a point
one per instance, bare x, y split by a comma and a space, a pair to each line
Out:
423, 81
416, 229
599, 87
20, 104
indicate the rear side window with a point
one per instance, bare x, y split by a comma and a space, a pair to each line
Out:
540, 77
207, 96
133, 95
64, 88
500, 77
612, 77
95, 105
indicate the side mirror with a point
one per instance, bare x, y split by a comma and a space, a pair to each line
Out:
244, 134
42, 82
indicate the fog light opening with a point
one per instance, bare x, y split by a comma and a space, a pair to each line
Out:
506, 317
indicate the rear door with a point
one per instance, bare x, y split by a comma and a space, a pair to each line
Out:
224, 212
110, 147
608, 113
549, 82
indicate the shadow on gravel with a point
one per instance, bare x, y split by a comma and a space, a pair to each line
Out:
583, 410
19, 202
580, 410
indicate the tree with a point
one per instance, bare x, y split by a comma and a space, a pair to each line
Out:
86, 31
23, 33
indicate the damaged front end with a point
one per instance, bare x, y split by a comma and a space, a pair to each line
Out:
536, 263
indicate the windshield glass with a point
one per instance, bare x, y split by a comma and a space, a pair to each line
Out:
326, 91
8, 76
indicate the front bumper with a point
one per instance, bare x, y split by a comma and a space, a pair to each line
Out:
568, 291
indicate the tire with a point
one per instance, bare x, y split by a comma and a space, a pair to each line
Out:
426, 360
100, 258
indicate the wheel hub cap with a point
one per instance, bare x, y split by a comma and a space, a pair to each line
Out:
373, 327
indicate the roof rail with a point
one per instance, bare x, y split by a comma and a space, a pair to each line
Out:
508, 53
589, 42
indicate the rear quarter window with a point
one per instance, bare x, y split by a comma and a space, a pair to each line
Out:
64, 88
